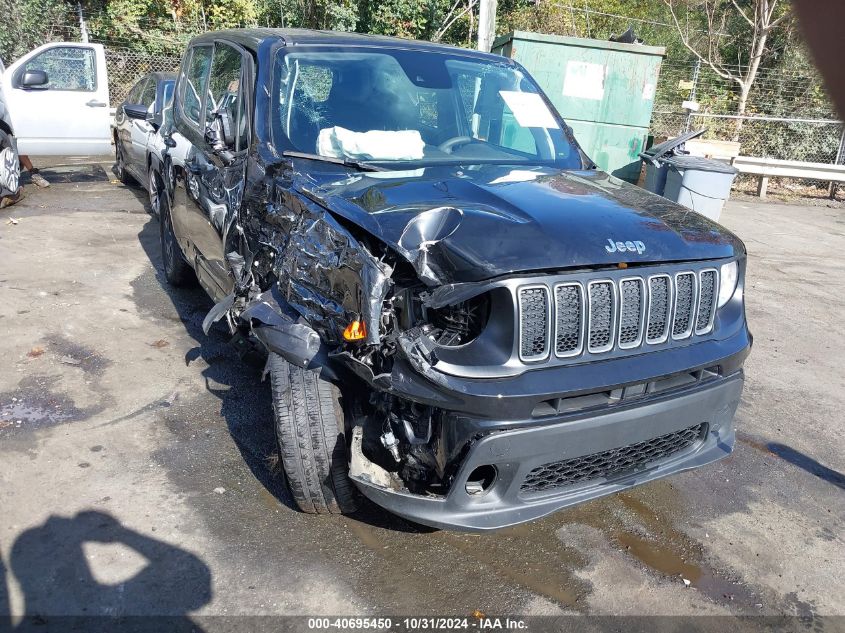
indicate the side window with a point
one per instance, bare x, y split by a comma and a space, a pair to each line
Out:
192, 83
134, 96
149, 94
225, 93
167, 94
67, 68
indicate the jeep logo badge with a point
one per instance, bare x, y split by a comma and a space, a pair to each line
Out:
621, 247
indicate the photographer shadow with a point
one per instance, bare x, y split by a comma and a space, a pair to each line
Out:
61, 593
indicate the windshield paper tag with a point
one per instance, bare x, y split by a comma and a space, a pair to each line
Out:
529, 109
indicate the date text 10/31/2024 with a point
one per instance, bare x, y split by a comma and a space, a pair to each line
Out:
478, 622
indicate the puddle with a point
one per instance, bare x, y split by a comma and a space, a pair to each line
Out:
653, 555
672, 553
31, 414
36, 404
28, 409
531, 556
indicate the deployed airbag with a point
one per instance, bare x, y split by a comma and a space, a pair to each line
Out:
339, 142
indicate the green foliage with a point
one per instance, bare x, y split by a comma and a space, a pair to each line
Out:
30, 23
403, 18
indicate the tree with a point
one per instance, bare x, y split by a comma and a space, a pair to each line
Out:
30, 23
751, 23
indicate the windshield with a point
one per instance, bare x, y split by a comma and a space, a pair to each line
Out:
416, 107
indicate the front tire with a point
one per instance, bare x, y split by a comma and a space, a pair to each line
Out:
154, 188
309, 423
120, 164
176, 269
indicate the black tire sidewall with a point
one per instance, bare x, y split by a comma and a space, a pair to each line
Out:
312, 447
176, 269
155, 207
120, 163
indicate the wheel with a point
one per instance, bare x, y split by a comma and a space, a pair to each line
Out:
120, 164
10, 168
177, 271
154, 188
309, 423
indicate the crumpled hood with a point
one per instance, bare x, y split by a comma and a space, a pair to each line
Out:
458, 225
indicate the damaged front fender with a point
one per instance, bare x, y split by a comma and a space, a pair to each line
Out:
327, 275
281, 331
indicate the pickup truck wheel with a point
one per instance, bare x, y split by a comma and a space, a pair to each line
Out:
176, 269
309, 422
10, 168
120, 164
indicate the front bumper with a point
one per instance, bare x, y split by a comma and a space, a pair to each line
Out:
516, 452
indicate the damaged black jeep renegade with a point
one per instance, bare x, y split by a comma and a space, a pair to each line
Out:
465, 320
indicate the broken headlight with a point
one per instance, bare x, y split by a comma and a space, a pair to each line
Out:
460, 323
450, 326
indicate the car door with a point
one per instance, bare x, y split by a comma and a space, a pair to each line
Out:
68, 115
221, 175
141, 132
123, 124
191, 170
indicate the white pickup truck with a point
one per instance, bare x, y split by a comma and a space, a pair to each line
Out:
54, 101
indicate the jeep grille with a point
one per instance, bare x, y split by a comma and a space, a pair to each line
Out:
602, 315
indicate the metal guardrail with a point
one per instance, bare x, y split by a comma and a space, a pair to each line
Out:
767, 168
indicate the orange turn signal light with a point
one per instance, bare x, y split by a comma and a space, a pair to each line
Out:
355, 331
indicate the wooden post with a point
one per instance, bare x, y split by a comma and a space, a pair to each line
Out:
762, 185
840, 154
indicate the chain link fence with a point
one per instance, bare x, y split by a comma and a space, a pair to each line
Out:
788, 115
125, 67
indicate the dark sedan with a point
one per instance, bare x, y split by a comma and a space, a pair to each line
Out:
135, 124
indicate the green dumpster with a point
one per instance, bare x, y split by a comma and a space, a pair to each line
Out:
604, 90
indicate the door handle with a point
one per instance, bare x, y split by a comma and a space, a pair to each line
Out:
96, 104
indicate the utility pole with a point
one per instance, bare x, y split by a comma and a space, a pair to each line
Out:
83, 30
486, 24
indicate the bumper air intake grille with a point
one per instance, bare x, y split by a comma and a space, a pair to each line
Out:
612, 463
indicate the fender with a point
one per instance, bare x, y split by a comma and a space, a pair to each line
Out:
276, 326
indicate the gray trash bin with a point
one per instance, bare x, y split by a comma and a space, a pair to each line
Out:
700, 184
655, 160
